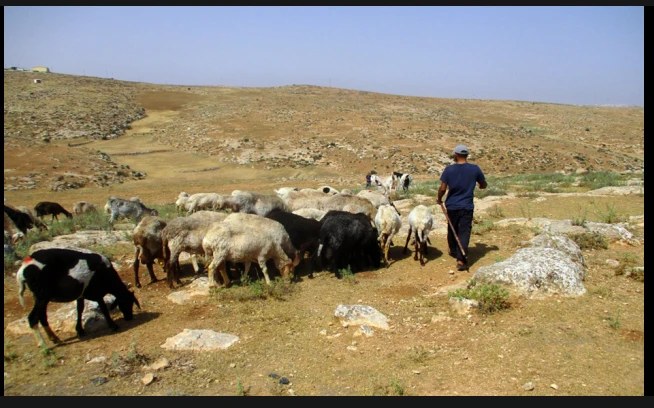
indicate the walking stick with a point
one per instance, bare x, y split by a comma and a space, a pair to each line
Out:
453, 231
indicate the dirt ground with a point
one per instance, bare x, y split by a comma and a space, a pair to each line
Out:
589, 345
565, 346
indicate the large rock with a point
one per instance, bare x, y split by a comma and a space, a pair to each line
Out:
560, 242
536, 272
83, 239
200, 340
612, 232
199, 287
361, 315
65, 318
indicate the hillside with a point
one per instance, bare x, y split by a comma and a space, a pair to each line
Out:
304, 131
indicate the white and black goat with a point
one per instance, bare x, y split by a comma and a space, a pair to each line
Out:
68, 274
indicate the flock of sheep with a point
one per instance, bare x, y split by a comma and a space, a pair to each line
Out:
323, 228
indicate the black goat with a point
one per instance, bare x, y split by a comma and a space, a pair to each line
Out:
64, 275
348, 239
303, 232
22, 221
49, 208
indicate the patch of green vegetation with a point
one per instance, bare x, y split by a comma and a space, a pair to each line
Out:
49, 357
418, 354
626, 262
347, 275
491, 298
611, 216
167, 211
614, 322
247, 290
581, 219
483, 227
590, 240
496, 187
595, 180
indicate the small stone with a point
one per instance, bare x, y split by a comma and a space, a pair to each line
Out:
554, 386
529, 386
351, 348
99, 380
274, 376
323, 332
147, 379
232, 365
291, 391
284, 381
100, 359
416, 372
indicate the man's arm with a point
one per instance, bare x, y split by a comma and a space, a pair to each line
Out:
441, 192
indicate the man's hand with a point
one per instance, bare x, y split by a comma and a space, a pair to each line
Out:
439, 202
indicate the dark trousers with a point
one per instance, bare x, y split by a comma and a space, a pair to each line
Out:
462, 222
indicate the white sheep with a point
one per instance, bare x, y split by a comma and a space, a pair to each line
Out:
249, 238
377, 198
388, 224
305, 198
182, 199
420, 224
185, 234
284, 190
204, 201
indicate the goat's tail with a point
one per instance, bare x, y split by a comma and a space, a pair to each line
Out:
20, 279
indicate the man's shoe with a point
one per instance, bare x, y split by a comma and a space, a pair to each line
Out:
461, 267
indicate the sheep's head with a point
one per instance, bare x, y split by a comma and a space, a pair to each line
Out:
289, 268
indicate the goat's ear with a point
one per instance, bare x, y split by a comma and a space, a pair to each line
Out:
296, 261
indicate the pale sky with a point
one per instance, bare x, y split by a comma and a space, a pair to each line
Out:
570, 55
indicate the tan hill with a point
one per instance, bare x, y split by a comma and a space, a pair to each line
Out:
307, 134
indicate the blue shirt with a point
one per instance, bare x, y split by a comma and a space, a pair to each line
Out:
461, 180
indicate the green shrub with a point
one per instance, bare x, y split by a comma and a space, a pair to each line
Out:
491, 298
581, 219
590, 240
611, 216
347, 274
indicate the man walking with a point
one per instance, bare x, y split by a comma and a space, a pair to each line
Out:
461, 179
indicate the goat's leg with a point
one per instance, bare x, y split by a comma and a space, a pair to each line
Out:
135, 265
150, 266
264, 269
223, 272
215, 262
408, 237
105, 312
173, 270
43, 318
423, 247
194, 261
80, 309
33, 320
417, 246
